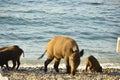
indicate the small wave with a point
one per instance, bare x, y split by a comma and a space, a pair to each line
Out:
93, 2
8, 2
53, 32
13, 21
9, 36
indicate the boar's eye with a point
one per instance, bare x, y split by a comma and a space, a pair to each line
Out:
76, 51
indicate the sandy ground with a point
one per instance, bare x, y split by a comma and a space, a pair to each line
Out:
37, 73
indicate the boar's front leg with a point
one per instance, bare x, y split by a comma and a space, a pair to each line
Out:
56, 64
67, 65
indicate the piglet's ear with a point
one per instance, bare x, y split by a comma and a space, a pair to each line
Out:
81, 52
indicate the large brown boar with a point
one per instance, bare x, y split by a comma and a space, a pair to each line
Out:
63, 47
93, 64
10, 53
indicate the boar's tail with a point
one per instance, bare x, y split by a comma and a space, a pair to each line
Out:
23, 54
21, 51
42, 55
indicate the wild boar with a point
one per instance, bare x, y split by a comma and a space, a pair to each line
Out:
63, 47
10, 53
93, 64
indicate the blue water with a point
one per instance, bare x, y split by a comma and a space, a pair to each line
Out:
94, 24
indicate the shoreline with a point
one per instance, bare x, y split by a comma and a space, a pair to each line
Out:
37, 73
62, 65
34, 70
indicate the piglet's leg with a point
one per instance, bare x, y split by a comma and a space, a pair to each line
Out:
86, 68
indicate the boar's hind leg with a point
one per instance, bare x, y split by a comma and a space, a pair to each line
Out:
7, 65
18, 63
56, 64
14, 64
46, 64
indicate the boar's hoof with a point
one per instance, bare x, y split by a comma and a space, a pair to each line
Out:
56, 70
45, 70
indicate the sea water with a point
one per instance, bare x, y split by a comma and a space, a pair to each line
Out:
30, 24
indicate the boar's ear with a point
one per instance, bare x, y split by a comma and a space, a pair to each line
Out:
81, 52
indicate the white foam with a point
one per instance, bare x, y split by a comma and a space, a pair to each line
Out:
118, 45
31, 65
111, 65
81, 66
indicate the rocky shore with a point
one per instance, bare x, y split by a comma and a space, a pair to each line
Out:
37, 73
